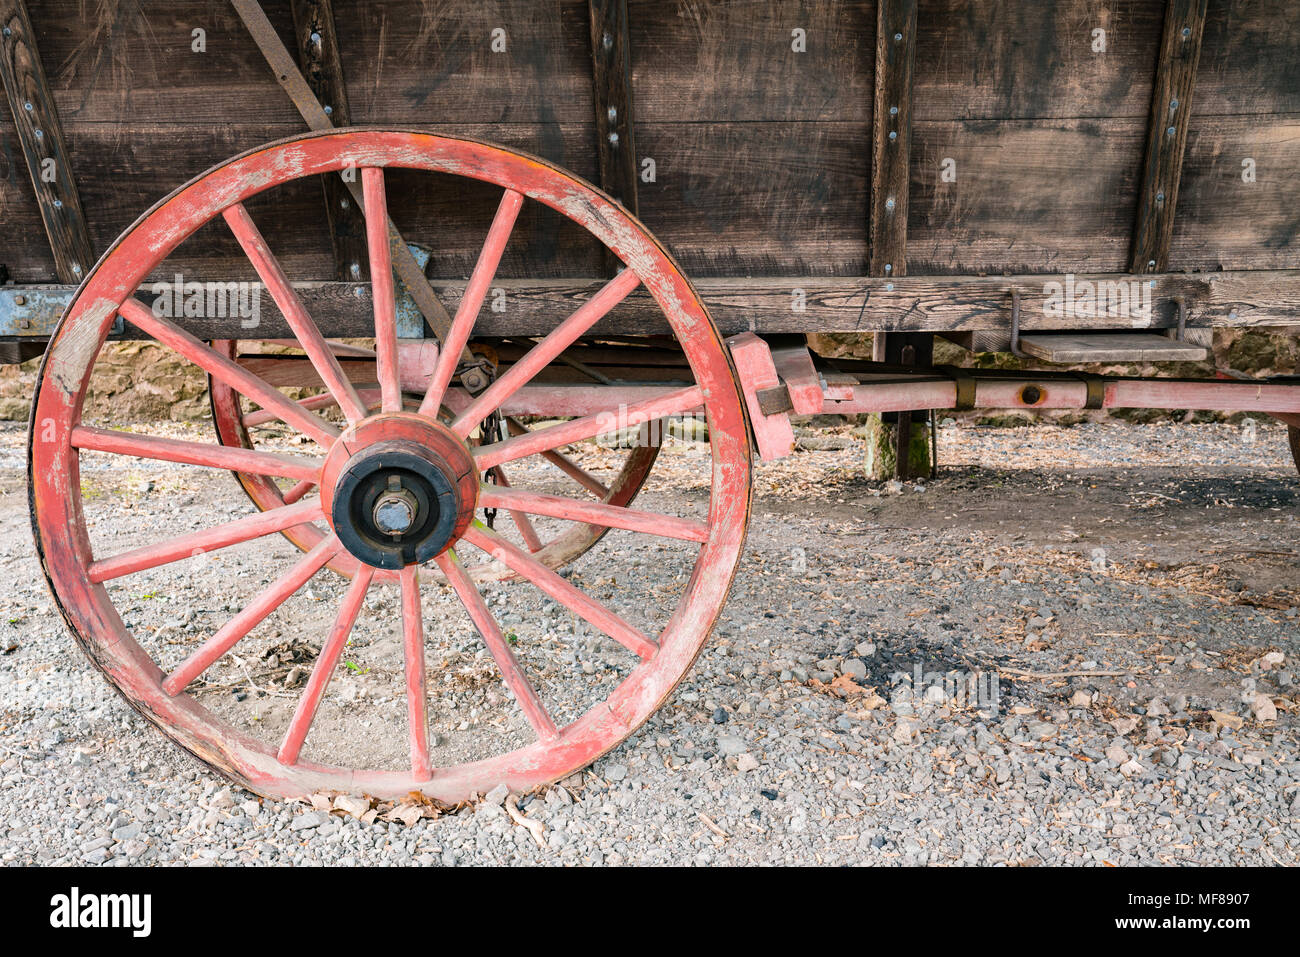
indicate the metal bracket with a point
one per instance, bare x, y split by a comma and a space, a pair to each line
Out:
1015, 325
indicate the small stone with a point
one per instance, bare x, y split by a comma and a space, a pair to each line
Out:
855, 669
497, 796
720, 716
1116, 755
1081, 699
1225, 720
746, 762
1263, 708
730, 746
308, 820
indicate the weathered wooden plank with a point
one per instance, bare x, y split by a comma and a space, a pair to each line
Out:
1063, 59
1023, 196
318, 55
1110, 347
611, 62
959, 304
40, 134
1248, 59
1167, 129
891, 135
1239, 202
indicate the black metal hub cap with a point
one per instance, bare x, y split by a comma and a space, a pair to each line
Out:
395, 504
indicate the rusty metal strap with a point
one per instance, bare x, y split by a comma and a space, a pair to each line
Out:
1096, 389
965, 383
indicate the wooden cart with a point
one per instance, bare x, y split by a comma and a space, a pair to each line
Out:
1074, 180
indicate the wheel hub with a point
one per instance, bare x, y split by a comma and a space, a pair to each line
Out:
399, 490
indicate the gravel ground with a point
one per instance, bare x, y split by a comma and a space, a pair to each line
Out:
1104, 619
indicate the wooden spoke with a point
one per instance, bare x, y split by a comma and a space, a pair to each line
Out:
565, 464
416, 681
470, 304
369, 398
228, 371
541, 355
675, 402
513, 675
594, 513
298, 491
323, 670
381, 286
318, 350
252, 615
581, 604
89, 438
209, 539
526, 530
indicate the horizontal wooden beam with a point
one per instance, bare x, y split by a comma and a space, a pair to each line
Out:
785, 304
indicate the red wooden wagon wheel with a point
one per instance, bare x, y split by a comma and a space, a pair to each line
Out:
398, 488
235, 425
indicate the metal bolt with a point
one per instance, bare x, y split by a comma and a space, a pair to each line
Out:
607, 41
40, 134
20, 300
27, 107
889, 287
613, 139
1160, 197
1173, 104
889, 203
315, 38
345, 204
1152, 283
1187, 32
76, 269
893, 111
355, 270
889, 267
58, 204
893, 135
1233, 314
1151, 264
1171, 130
7, 31
329, 111
898, 38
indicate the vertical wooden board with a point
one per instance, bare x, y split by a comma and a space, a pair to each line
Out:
1226, 221
1028, 196
1172, 115
1250, 58
759, 198
891, 135
1039, 60
612, 91
752, 60
39, 134
317, 49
